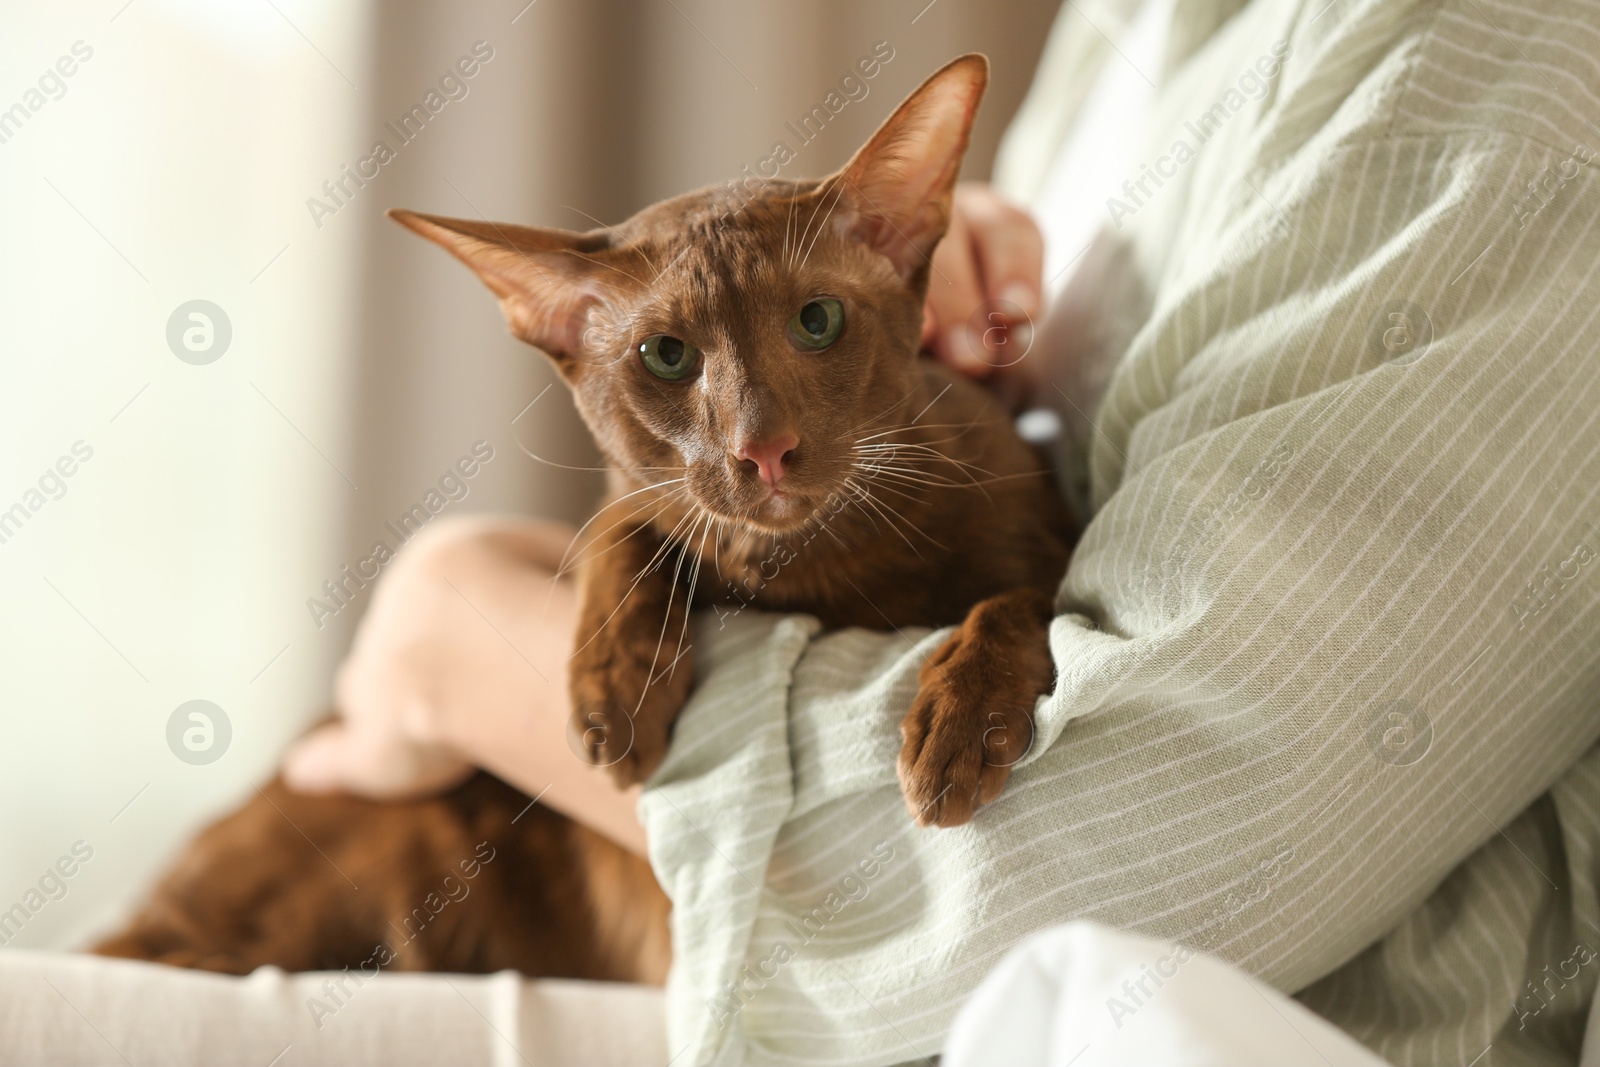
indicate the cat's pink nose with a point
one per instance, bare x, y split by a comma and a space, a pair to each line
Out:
771, 458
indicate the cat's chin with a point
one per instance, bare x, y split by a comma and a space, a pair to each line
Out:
780, 514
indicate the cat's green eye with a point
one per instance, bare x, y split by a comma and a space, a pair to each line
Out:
669, 358
817, 325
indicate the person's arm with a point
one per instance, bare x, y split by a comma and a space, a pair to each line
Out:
1332, 625
461, 661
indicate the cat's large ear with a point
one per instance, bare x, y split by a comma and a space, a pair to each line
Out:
547, 280
894, 194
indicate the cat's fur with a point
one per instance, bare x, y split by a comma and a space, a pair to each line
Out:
856, 483
474, 881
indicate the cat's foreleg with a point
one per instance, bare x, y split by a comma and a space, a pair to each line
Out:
972, 718
632, 671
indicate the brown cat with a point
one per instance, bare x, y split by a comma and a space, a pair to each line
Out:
747, 360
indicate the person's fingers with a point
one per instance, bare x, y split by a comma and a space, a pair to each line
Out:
954, 293
327, 760
341, 758
1009, 250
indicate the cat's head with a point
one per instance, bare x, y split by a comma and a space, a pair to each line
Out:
744, 339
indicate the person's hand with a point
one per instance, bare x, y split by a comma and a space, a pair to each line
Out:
985, 288
427, 665
461, 661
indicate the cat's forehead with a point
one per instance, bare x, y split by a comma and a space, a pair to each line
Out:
731, 208
705, 248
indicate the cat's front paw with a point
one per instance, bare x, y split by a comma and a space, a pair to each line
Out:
972, 718
622, 710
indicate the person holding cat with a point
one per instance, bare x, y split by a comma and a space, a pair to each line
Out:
1328, 401
1324, 661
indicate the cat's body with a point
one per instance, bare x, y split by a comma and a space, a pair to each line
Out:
812, 466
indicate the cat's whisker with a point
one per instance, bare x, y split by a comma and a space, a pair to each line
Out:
788, 224
858, 493
577, 538
922, 463
930, 426
672, 540
570, 561
979, 483
885, 506
587, 470
891, 474
666, 672
912, 451
968, 471
907, 467
639, 527
910, 393
893, 462
672, 588
724, 541
824, 225
788, 260
907, 463
916, 476
927, 448
915, 498
963, 426
694, 577
666, 545
744, 536
923, 458
611, 230
915, 528
821, 194
872, 502
603, 263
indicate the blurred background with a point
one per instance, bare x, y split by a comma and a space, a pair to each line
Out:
222, 371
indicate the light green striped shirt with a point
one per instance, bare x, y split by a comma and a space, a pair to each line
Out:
1329, 676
